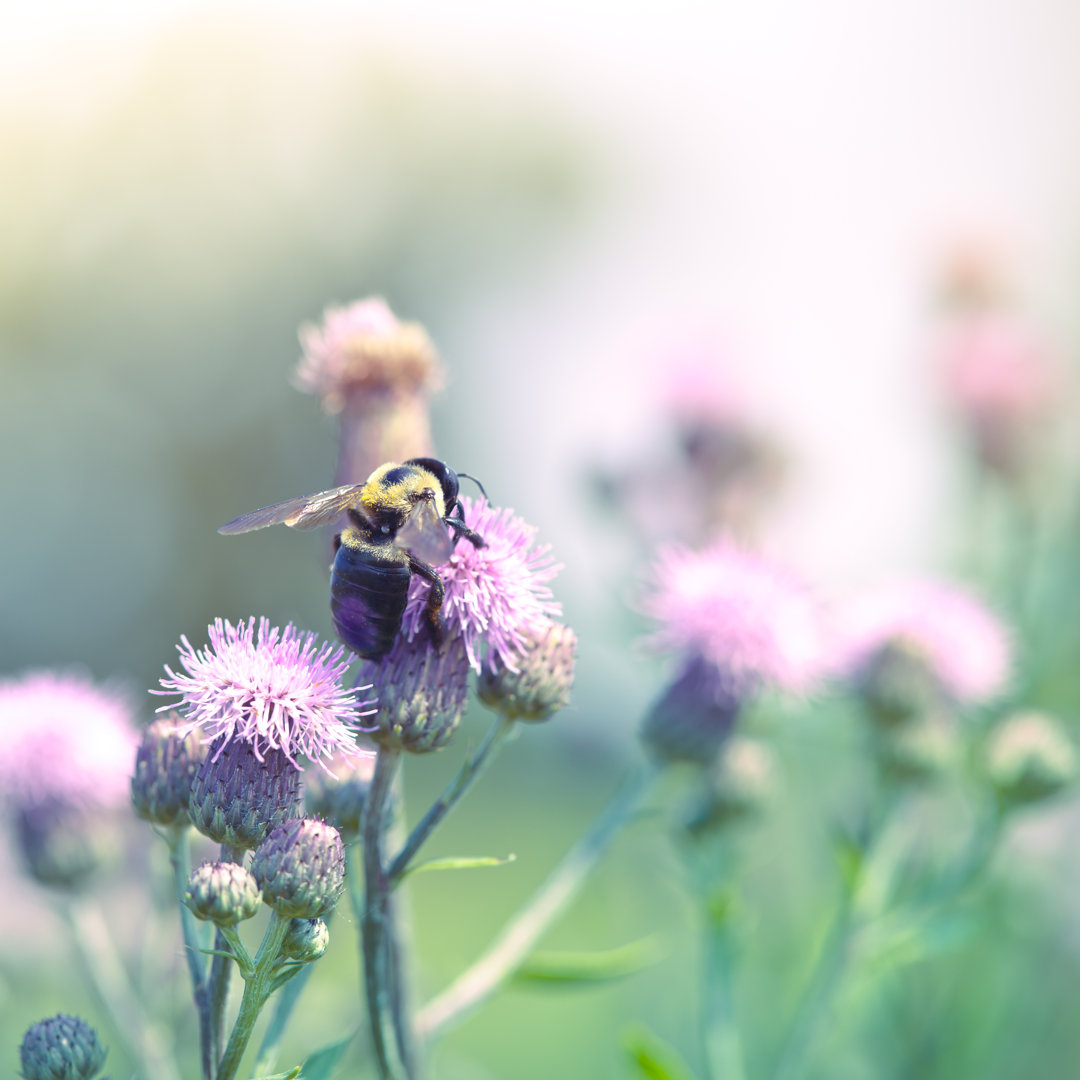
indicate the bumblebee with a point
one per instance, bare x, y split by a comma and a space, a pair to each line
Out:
399, 516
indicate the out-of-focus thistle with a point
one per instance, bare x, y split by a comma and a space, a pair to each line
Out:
306, 940
378, 373
338, 793
61, 1048
738, 624
1029, 758
909, 648
540, 686
300, 868
739, 785
495, 596
166, 764
262, 701
223, 893
66, 747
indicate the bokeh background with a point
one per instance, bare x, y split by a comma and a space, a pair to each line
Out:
574, 199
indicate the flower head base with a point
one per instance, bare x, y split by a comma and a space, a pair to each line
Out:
1030, 758
541, 685
64, 740
364, 347
694, 716
223, 893
165, 766
237, 798
494, 594
61, 1048
62, 844
422, 692
751, 620
306, 940
300, 868
926, 627
272, 689
339, 795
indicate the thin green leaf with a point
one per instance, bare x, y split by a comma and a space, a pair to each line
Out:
459, 862
292, 1074
654, 1058
587, 967
322, 1064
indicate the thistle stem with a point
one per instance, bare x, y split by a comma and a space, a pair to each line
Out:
110, 983
220, 970
470, 772
520, 935
723, 1045
179, 840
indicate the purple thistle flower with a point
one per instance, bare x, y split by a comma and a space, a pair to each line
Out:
963, 644
752, 621
64, 741
275, 690
494, 594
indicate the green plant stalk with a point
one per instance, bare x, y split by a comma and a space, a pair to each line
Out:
179, 840
520, 935
111, 985
258, 986
723, 1044
470, 772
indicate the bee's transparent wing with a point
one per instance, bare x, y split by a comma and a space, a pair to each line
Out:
425, 536
303, 512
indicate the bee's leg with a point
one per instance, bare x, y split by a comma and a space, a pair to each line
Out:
461, 529
435, 597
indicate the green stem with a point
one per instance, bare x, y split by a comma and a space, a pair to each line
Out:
257, 989
520, 935
376, 910
470, 772
110, 983
180, 860
723, 1045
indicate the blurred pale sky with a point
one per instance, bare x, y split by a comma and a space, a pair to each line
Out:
790, 174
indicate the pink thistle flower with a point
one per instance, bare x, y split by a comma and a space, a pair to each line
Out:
64, 741
965, 647
750, 620
365, 347
494, 594
274, 689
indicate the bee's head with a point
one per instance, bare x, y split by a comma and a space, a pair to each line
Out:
393, 492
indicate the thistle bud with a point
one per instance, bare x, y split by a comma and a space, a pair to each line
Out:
422, 693
920, 751
340, 798
740, 784
897, 684
694, 716
222, 892
1030, 758
61, 1048
63, 845
165, 766
541, 685
300, 868
236, 798
306, 940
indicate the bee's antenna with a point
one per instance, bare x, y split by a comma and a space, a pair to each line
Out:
476, 482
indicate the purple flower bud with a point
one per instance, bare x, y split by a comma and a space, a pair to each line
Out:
300, 868
694, 715
541, 685
165, 766
62, 845
338, 796
306, 940
222, 892
61, 1048
237, 797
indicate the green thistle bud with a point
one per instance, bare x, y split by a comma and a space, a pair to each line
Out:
541, 685
222, 892
694, 716
340, 798
898, 684
61, 1048
739, 785
63, 845
236, 799
300, 868
165, 766
306, 940
919, 751
1030, 758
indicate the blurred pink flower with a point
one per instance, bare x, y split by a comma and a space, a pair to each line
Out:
964, 645
273, 690
753, 621
494, 594
64, 740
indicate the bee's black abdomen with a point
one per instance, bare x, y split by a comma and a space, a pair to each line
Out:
369, 588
